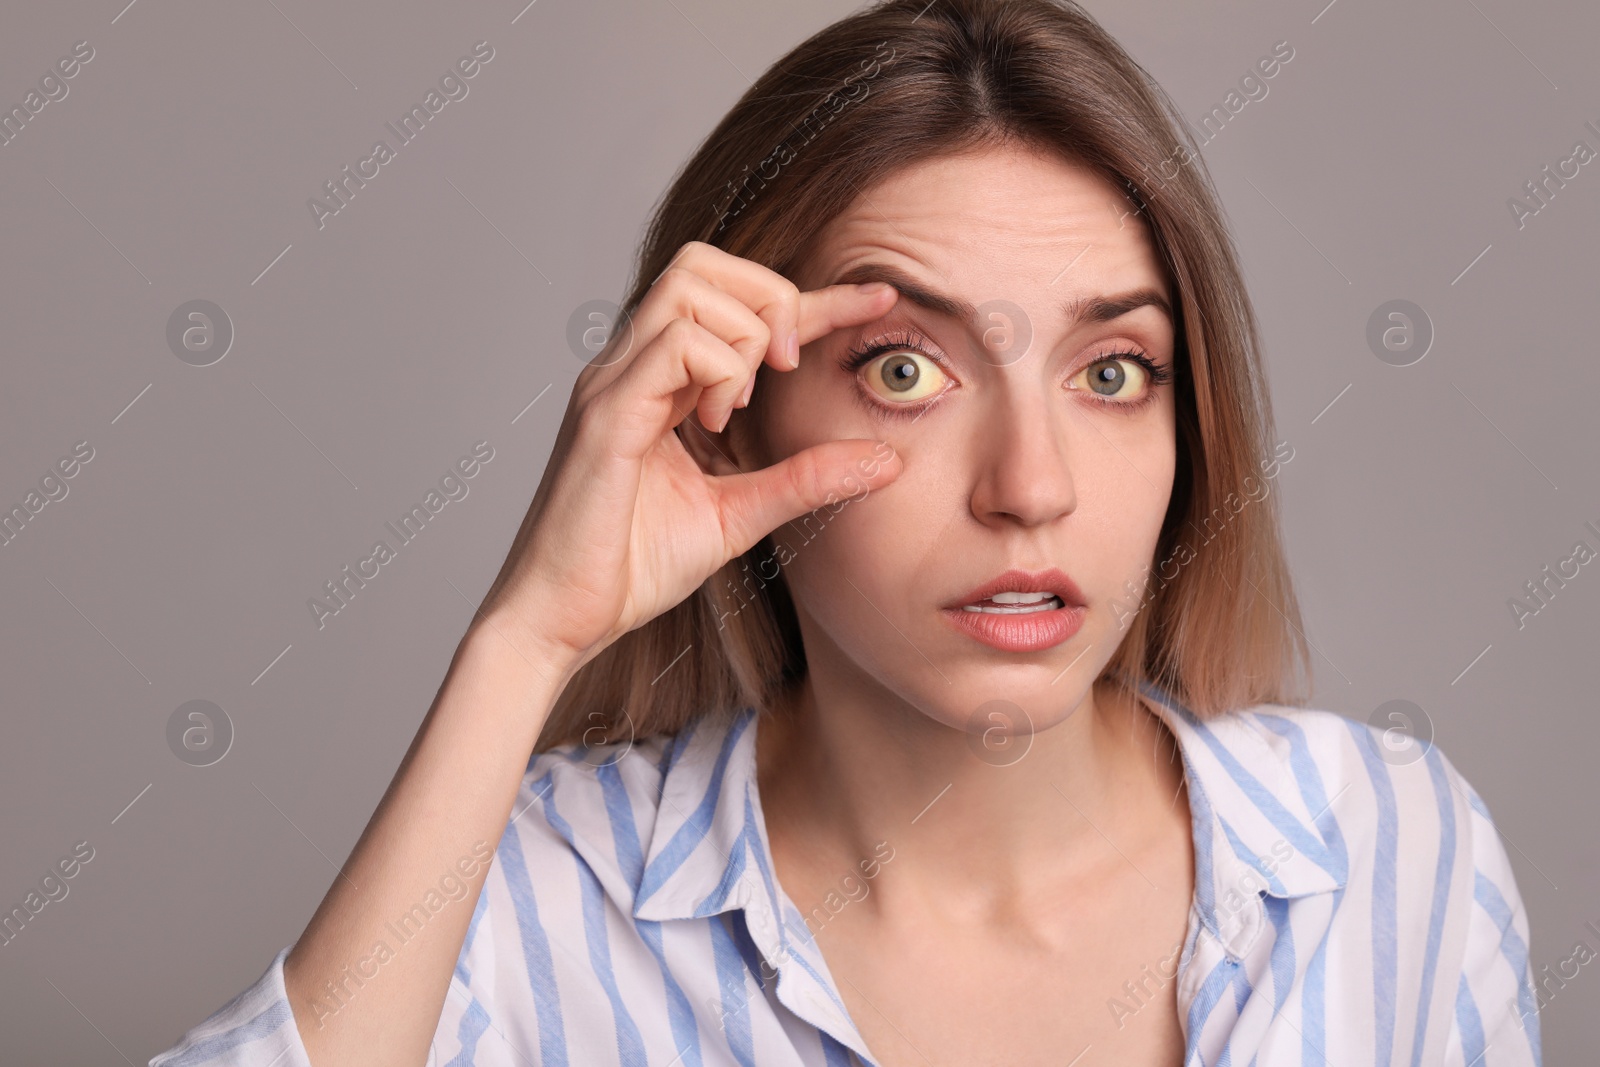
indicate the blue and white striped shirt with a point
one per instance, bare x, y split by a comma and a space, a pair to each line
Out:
1349, 909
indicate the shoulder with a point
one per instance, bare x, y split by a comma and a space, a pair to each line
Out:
1426, 870
1367, 799
1408, 823
1391, 762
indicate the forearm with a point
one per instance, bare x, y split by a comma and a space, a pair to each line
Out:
453, 791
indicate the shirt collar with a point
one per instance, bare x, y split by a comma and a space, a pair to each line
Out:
1258, 808
699, 862
1255, 798
709, 853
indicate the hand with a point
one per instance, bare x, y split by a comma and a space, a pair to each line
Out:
625, 524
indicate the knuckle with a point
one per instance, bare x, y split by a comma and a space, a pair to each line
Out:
691, 251
755, 345
681, 332
788, 292
674, 279
804, 476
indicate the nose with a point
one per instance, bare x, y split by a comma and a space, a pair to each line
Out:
1024, 462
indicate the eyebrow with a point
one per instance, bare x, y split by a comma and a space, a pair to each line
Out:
1083, 309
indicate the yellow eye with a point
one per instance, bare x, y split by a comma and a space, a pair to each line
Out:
904, 377
1117, 380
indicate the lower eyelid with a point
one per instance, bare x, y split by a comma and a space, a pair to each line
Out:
1130, 405
916, 407
1148, 398
866, 396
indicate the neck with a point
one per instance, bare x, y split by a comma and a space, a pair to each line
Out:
845, 777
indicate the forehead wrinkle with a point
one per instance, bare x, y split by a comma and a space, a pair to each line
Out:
1088, 307
860, 232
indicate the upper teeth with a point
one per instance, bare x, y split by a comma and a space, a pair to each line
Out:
1020, 602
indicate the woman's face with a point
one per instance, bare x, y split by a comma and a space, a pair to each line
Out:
1031, 438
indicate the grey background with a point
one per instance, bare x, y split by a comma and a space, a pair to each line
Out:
430, 312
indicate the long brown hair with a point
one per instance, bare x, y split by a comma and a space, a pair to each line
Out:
902, 82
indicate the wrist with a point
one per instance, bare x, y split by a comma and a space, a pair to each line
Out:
504, 638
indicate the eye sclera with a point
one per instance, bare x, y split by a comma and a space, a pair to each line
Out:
896, 342
912, 341
1151, 373
903, 357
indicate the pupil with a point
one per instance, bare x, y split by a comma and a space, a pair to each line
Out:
1110, 376
900, 373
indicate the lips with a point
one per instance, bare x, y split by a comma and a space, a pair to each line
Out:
1014, 627
1053, 581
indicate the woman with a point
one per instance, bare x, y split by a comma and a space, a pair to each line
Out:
909, 669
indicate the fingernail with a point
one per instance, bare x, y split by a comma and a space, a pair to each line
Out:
748, 388
793, 347
873, 288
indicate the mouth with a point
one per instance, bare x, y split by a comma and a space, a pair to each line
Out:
1016, 604
1021, 611
1019, 592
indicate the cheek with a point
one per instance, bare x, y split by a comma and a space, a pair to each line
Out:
870, 543
867, 571
1123, 504
1127, 468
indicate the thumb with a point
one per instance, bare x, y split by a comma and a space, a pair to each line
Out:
754, 504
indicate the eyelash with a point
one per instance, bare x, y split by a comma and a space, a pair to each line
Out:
909, 341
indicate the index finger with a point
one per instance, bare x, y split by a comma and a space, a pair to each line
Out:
773, 298
835, 306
